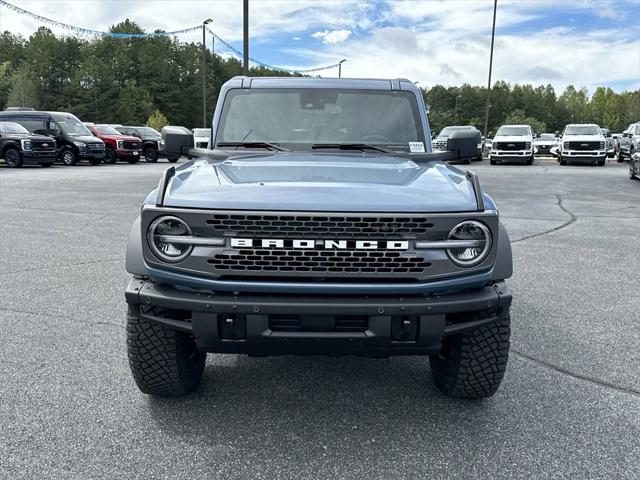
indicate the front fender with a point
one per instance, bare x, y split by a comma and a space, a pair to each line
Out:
504, 259
134, 261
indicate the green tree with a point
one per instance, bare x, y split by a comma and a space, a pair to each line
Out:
518, 117
157, 120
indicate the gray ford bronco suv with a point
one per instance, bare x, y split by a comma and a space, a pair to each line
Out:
319, 222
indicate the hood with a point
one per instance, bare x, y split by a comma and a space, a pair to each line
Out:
128, 138
321, 182
85, 139
583, 138
512, 138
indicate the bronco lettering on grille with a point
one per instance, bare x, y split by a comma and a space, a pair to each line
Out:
325, 244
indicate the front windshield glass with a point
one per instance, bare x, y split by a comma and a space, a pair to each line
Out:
13, 128
70, 125
148, 132
105, 130
449, 130
201, 132
545, 137
513, 131
582, 130
299, 118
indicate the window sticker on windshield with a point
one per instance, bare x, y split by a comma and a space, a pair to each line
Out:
416, 147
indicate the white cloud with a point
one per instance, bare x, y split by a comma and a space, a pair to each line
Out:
332, 36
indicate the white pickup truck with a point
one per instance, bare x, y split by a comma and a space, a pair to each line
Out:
583, 143
512, 143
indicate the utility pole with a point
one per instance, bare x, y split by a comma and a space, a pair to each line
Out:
488, 105
340, 67
245, 22
204, 73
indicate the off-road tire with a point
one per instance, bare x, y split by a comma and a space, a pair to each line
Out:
173, 159
562, 161
530, 160
150, 155
602, 162
68, 157
493, 162
12, 158
110, 156
472, 364
163, 362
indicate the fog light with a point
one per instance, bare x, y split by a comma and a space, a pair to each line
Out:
470, 256
163, 242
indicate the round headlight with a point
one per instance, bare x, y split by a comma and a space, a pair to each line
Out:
470, 231
161, 233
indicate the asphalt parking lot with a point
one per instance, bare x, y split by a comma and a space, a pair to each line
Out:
569, 406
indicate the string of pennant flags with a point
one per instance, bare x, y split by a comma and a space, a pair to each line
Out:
87, 32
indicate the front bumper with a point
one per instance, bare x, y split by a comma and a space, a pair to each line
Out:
583, 156
269, 324
125, 153
511, 156
91, 155
33, 157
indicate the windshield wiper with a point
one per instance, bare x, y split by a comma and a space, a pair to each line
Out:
272, 146
351, 146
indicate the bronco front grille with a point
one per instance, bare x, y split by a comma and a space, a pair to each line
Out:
319, 261
319, 226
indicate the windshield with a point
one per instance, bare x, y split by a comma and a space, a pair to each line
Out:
13, 128
449, 130
582, 130
202, 132
71, 125
546, 137
513, 131
299, 118
148, 132
105, 130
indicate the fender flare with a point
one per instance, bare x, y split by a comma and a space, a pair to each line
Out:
504, 259
134, 260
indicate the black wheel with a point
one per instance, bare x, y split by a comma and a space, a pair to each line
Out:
163, 362
466, 161
632, 172
530, 160
110, 156
472, 364
46, 164
492, 161
602, 161
620, 158
69, 157
150, 155
133, 160
12, 158
95, 161
562, 161
173, 159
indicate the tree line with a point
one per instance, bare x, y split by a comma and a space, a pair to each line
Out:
129, 80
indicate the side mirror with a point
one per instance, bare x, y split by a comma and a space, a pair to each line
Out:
177, 140
464, 143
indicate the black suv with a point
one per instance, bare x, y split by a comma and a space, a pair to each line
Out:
152, 143
18, 147
73, 140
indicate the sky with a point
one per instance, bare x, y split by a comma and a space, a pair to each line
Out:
561, 42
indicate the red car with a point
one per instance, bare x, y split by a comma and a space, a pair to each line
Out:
117, 146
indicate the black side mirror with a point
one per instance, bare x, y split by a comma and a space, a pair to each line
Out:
177, 140
464, 143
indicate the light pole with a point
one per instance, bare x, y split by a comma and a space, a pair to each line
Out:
204, 74
493, 35
245, 38
340, 67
